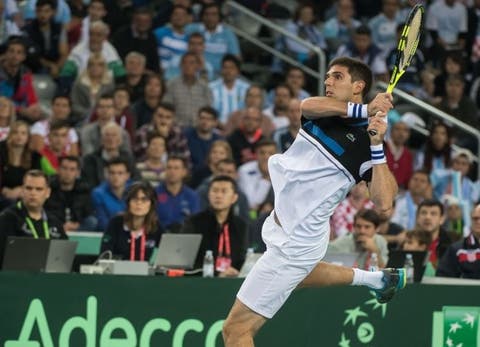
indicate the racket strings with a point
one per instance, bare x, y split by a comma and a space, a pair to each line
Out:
412, 37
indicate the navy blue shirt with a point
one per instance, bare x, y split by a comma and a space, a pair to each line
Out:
172, 210
199, 147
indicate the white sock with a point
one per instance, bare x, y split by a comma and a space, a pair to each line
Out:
372, 279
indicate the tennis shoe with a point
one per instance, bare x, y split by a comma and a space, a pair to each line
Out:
394, 280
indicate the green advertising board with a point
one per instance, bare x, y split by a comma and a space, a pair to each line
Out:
40, 310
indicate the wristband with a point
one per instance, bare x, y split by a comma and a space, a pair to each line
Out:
357, 111
377, 155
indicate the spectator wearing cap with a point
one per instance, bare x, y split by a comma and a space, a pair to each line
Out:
453, 216
188, 92
201, 137
455, 181
462, 259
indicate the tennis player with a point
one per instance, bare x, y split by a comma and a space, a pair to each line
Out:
331, 153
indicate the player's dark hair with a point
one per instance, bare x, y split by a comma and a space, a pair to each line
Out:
358, 71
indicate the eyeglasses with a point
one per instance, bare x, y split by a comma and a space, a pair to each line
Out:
142, 199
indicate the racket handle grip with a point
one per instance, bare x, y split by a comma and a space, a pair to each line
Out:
372, 132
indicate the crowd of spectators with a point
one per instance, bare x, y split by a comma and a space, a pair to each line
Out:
154, 127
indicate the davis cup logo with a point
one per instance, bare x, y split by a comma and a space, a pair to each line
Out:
456, 327
357, 328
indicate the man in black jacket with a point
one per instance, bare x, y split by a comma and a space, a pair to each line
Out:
138, 37
224, 233
28, 218
69, 199
462, 259
47, 40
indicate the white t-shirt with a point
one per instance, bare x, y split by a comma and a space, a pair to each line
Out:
252, 183
42, 128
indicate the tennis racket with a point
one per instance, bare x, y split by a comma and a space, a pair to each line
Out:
407, 46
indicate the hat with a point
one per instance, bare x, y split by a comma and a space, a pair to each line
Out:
449, 200
463, 152
413, 119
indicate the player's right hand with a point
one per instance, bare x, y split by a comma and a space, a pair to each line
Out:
381, 103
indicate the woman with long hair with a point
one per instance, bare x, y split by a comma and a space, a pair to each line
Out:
219, 150
16, 159
438, 149
134, 234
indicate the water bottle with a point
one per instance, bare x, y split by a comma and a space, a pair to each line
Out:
409, 268
374, 262
208, 266
249, 262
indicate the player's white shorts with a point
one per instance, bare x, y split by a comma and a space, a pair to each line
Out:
279, 271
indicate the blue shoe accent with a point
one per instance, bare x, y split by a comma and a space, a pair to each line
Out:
394, 280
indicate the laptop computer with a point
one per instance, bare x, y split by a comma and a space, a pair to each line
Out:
177, 251
38, 255
89, 242
340, 258
396, 259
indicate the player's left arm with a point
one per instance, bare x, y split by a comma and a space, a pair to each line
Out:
383, 186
